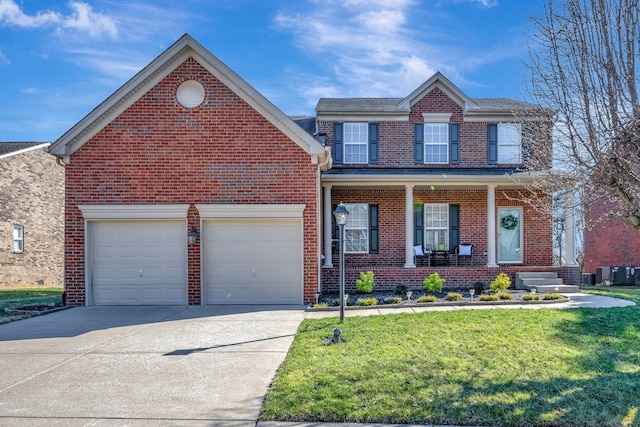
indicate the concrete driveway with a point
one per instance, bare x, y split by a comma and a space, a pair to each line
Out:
142, 366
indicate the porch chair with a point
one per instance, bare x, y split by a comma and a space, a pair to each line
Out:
464, 250
419, 251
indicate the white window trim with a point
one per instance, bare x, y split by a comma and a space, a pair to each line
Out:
436, 117
446, 143
502, 144
366, 251
20, 239
446, 235
344, 143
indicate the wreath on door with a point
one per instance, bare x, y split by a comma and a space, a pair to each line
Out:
509, 222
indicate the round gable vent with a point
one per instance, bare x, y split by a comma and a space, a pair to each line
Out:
190, 94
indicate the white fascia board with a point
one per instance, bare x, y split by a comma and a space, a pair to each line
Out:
442, 180
93, 212
25, 150
209, 211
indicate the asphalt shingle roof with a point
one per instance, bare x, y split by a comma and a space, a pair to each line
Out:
10, 147
390, 104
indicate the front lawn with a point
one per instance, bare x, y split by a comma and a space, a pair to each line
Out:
17, 298
545, 367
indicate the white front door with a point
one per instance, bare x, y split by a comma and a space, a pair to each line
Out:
510, 235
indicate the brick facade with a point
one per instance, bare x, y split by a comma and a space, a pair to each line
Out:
33, 197
608, 242
158, 152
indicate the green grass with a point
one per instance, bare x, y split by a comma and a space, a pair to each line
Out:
544, 367
14, 298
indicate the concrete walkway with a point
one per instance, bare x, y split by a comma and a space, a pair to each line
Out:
169, 366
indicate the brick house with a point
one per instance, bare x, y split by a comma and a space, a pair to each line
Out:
187, 186
433, 170
608, 242
31, 218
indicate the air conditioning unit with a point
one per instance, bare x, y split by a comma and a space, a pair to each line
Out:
603, 276
623, 276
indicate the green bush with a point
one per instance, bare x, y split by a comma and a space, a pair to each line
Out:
453, 296
489, 297
479, 287
321, 305
367, 301
501, 282
427, 298
393, 300
433, 283
505, 295
552, 296
335, 302
530, 297
365, 283
401, 289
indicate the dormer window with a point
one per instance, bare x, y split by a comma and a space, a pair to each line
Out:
356, 141
436, 143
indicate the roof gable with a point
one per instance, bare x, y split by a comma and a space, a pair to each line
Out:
438, 80
186, 47
8, 149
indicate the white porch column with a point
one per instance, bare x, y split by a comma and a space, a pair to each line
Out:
328, 247
408, 221
491, 226
570, 233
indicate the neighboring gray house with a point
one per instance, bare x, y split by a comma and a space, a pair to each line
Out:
31, 216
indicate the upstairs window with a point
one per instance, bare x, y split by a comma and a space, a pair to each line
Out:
504, 143
436, 143
18, 238
356, 142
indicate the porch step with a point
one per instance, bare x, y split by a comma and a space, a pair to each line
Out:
546, 289
535, 275
541, 281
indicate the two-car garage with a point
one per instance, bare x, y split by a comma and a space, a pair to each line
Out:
138, 255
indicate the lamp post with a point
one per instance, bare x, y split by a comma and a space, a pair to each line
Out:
341, 213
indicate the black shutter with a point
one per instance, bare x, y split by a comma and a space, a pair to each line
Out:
373, 143
527, 141
418, 224
492, 144
374, 229
454, 226
454, 143
418, 143
338, 150
335, 230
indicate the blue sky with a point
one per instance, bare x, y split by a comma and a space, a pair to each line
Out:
60, 59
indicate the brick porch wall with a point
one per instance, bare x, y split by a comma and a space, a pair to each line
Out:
157, 152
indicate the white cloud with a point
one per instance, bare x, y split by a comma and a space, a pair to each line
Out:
4, 58
82, 18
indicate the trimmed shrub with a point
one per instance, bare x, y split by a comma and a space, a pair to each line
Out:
479, 287
401, 289
486, 297
367, 301
365, 283
433, 283
393, 300
552, 296
427, 298
501, 282
321, 305
530, 297
505, 295
453, 296
335, 302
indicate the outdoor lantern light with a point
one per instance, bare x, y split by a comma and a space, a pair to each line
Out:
192, 236
472, 292
341, 213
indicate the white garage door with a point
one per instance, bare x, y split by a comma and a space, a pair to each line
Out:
139, 263
253, 261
